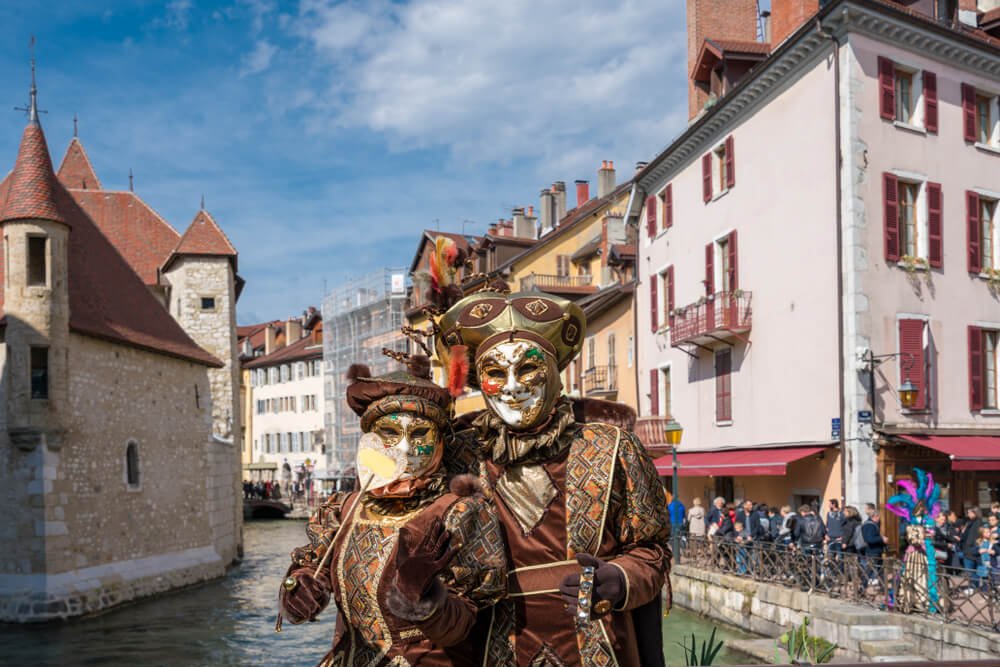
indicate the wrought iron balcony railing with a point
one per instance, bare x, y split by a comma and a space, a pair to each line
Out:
600, 379
711, 319
546, 281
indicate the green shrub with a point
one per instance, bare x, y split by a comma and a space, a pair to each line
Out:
693, 656
804, 647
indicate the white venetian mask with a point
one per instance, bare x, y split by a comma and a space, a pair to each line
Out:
519, 382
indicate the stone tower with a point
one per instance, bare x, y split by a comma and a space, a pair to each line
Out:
202, 293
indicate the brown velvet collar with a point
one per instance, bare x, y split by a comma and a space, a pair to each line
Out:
423, 491
538, 444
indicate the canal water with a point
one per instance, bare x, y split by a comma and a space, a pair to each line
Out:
228, 622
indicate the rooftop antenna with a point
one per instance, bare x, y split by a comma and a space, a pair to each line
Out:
32, 109
131, 183
75, 127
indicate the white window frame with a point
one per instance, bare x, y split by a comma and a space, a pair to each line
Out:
994, 140
995, 197
719, 187
995, 357
719, 257
664, 390
923, 239
917, 120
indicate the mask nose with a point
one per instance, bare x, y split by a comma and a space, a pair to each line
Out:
512, 385
404, 445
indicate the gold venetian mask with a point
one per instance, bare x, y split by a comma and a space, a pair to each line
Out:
415, 437
519, 382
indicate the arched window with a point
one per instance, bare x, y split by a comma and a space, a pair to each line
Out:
132, 464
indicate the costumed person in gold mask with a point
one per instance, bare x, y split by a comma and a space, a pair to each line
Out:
581, 504
410, 560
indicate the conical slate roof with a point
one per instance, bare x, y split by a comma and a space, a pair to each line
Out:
32, 190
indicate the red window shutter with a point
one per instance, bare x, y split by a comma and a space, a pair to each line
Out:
654, 392
887, 88
976, 368
651, 216
930, 101
969, 112
912, 363
734, 267
972, 225
668, 206
706, 177
890, 197
710, 269
670, 294
653, 310
730, 162
934, 225
723, 386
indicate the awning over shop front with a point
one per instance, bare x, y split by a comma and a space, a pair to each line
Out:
265, 465
753, 461
967, 452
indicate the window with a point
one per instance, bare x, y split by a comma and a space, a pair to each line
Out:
39, 372
723, 386
904, 95
914, 361
562, 265
946, 10
629, 353
665, 407
981, 116
908, 234
667, 205
654, 392
132, 464
722, 265
907, 95
208, 303
667, 278
720, 165
37, 270
988, 235
990, 348
591, 352
913, 214
611, 352
583, 269
295, 442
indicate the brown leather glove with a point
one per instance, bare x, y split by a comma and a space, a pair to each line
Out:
309, 595
609, 584
419, 559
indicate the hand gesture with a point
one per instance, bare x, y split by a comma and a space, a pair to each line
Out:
609, 586
419, 559
304, 594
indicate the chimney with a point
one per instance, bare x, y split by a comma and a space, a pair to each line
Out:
547, 206
531, 222
293, 331
606, 178
765, 20
269, 342
559, 193
718, 19
582, 193
521, 225
639, 166
788, 15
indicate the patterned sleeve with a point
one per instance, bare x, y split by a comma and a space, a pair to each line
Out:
321, 529
479, 569
642, 522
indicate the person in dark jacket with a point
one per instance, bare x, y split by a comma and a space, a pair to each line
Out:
715, 514
810, 531
970, 535
875, 543
774, 528
852, 523
834, 528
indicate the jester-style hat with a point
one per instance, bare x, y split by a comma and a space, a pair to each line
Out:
400, 391
481, 321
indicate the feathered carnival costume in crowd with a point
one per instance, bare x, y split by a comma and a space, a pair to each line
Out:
918, 504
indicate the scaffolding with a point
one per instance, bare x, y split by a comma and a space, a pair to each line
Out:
360, 318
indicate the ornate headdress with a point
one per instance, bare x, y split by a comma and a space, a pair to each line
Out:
400, 391
481, 321
922, 499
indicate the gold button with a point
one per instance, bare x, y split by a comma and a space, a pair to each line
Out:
290, 584
602, 607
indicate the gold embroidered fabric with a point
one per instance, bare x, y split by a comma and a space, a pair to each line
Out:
541, 444
527, 490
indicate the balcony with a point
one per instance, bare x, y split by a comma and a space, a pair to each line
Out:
556, 283
600, 380
722, 316
651, 433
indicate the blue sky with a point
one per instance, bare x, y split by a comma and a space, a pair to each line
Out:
326, 135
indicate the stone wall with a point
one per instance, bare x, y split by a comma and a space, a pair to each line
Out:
79, 537
191, 279
769, 610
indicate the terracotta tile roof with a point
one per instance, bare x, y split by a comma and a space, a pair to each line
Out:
142, 237
76, 170
738, 46
623, 250
600, 301
33, 188
303, 348
107, 299
203, 237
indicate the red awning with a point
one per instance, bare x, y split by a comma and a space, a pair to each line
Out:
735, 462
967, 452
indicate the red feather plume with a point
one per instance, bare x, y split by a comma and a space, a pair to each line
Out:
458, 369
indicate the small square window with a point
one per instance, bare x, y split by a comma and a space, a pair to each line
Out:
208, 303
39, 372
37, 270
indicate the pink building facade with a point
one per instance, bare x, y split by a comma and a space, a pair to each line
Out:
838, 203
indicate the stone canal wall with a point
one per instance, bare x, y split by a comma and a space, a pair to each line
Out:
862, 632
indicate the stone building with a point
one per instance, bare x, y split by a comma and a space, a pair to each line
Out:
118, 471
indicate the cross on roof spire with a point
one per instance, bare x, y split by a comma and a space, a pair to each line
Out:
32, 109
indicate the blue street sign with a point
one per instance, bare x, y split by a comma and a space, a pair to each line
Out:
865, 416
835, 427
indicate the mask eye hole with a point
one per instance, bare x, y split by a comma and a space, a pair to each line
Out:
419, 432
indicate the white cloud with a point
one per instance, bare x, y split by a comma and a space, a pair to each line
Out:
259, 59
504, 81
178, 14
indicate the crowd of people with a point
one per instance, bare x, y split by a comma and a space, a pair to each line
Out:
261, 490
970, 542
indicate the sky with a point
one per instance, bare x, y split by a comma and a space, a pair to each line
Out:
326, 135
